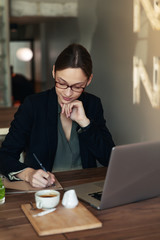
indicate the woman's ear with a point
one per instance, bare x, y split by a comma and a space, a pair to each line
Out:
53, 71
90, 79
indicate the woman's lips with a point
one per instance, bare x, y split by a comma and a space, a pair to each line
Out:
67, 99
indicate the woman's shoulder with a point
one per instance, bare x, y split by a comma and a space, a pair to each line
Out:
86, 96
90, 102
41, 95
38, 101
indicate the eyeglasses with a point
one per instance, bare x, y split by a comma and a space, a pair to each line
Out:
72, 87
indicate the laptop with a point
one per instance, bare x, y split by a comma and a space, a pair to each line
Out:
133, 175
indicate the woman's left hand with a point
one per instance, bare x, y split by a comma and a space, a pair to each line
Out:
75, 111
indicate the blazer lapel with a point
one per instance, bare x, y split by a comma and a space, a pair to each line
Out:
52, 113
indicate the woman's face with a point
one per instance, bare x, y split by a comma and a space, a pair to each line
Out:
70, 77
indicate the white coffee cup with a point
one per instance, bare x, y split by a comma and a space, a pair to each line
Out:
46, 199
70, 199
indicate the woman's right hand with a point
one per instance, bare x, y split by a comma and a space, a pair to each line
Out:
37, 178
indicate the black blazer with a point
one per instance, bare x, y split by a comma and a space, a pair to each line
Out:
34, 130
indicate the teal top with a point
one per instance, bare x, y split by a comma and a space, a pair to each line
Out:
68, 153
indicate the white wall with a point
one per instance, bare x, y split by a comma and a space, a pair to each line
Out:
113, 47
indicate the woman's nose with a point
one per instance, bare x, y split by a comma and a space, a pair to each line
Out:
68, 91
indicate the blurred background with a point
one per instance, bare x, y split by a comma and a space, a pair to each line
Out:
40, 30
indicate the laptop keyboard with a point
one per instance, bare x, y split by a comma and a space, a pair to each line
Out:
96, 195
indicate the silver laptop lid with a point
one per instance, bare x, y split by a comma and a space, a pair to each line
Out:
133, 174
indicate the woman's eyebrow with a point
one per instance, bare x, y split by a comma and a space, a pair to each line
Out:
59, 78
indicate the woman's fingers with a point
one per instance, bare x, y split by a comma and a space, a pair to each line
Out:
40, 178
37, 178
66, 109
76, 112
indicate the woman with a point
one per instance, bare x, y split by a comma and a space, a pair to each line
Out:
63, 127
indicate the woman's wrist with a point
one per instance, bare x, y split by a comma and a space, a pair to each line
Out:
24, 175
84, 123
84, 129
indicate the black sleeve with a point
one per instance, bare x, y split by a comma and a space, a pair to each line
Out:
16, 140
96, 137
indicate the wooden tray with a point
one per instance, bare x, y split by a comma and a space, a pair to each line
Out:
62, 220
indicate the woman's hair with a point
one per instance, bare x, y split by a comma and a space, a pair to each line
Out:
74, 56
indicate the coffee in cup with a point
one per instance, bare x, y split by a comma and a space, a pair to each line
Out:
46, 199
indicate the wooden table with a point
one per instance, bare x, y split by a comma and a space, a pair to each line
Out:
137, 221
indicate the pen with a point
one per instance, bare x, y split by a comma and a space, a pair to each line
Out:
39, 162
44, 212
